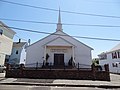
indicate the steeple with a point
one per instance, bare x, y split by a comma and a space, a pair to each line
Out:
59, 25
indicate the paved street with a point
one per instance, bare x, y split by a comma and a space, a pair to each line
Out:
57, 84
18, 87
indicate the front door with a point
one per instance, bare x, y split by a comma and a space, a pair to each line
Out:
58, 59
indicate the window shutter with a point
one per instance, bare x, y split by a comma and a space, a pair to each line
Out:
118, 54
112, 56
115, 55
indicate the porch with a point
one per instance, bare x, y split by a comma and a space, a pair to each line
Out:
58, 55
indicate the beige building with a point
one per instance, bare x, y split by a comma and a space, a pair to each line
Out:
6, 41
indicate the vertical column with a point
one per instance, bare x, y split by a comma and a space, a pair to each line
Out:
73, 53
45, 54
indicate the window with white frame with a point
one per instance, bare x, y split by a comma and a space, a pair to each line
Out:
114, 55
114, 64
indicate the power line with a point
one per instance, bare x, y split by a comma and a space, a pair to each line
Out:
27, 21
20, 38
30, 30
96, 1
31, 6
89, 25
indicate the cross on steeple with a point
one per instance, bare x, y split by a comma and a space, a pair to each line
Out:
59, 25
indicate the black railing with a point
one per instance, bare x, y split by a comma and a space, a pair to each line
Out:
54, 66
64, 66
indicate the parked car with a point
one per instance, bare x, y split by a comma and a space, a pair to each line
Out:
2, 68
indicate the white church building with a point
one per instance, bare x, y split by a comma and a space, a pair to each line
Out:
58, 49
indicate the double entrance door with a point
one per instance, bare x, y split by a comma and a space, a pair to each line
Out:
59, 59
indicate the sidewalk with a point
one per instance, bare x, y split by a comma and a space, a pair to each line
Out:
2, 75
114, 83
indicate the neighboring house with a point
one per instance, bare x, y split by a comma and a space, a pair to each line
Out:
18, 55
112, 58
6, 41
58, 49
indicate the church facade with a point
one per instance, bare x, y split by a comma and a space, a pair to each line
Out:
58, 49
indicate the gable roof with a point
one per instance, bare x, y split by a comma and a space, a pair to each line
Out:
7, 28
59, 41
60, 34
76, 40
41, 39
19, 44
117, 47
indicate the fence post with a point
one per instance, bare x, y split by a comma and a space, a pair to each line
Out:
78, 66
64, 66
8, 67
21, 70
93, 71
50, 66
106, 66
36, 65
7, 70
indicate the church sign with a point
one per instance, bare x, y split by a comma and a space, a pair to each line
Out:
59, 50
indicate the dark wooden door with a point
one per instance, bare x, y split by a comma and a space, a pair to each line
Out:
58, 59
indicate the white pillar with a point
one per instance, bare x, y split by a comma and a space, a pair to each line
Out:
73, 53
45, 54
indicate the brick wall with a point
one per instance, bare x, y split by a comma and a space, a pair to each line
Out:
86, 74
59, 74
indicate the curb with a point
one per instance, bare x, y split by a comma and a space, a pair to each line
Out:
2, 79
63, 85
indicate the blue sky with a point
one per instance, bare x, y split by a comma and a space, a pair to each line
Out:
104, 7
